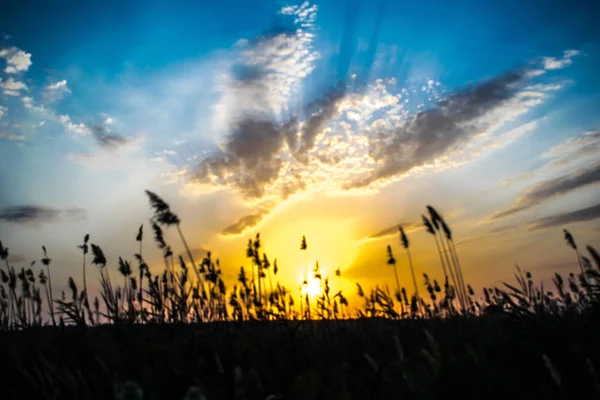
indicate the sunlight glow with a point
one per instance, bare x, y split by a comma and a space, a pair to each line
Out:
314, 287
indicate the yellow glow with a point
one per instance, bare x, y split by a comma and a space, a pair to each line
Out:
313, 288
330, 242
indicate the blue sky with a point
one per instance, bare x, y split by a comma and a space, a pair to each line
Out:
251, 117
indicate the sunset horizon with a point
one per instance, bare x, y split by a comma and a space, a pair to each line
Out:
301, 120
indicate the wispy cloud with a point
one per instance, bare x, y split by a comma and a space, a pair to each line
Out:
268, 70
575, 149
79, 129
393, 231
107, 139
12, 136
546, 190
56, 91
503, 229
525, 176
244, 223
58, 85
430, 134
16, 59
557, 220
551, 63
3, 111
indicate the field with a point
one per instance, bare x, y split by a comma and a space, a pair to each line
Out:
182, 333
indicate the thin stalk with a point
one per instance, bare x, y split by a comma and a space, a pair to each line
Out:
452, 272
459, 269
437, 244
189, 253
51, 299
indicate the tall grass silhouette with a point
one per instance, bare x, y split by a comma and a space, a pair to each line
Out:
256, 341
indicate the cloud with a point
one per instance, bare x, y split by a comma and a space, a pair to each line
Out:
244, 223
106, 139
56, 91
3, 111
11, 136
517, 179
267, 71
546, 190
393, 231
27, 101
503, 229
76, 213
12, 87
583, 215
58, 85
431, 133
16, 60
28, 213
551, 63
39, 214
251, 159
349, 139
574, 149
77, 129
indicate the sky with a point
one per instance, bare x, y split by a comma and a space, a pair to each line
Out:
337, 120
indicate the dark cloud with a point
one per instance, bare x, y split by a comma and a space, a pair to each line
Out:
106, 139
39, 214
28, 213
558, 220
244, 223
393, 230
509, 212
546, 190
430, 133
250, 160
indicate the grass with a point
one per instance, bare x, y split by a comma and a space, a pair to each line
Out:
181, 333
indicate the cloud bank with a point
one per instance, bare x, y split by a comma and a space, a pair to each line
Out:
351, 137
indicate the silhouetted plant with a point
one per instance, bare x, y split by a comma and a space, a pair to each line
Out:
571, 243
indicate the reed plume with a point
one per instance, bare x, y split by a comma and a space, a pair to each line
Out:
571, 243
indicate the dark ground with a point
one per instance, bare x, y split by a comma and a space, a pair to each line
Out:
498, 357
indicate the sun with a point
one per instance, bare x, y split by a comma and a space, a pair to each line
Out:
313, 288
